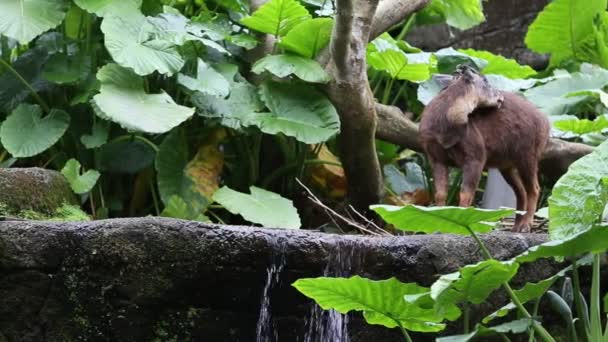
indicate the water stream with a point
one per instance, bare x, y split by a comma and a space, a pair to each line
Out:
266, 331
331, 326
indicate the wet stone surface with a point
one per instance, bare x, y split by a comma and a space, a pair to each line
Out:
154, 279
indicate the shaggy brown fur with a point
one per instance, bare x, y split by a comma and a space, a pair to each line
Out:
509, 134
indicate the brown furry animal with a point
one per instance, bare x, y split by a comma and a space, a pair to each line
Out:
474, 126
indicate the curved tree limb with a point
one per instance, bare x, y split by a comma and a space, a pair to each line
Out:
350, 93
392, 12
395, 127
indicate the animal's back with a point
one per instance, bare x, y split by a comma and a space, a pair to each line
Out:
516, 127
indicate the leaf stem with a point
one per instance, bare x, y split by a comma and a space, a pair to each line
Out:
595, 314
405, 334
540, 330
43, 104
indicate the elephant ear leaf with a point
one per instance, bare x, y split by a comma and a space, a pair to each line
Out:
25, 133
80, 183
25, 20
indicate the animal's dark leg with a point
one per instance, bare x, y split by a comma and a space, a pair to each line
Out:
471, 174
440, 178
529, 176
514, 179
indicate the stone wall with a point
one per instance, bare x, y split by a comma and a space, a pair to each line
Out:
154, 279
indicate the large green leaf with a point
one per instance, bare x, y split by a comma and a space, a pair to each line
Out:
514, 327
582, 126
556, 96
449, 59
98, 137
384, 54
179, 208
109, 7
308, 37
462, 14
175, 180
297, 110
125, 156
580, 196
532, 291
234, 110
24, 20
381, 301
29, 66
500, 65
472, 283
26, 133
562, 27
123, 100
61, 68
261, 206
277, 17
207, 81
594, 240
306, 69
135, 43
80, 183
451, 220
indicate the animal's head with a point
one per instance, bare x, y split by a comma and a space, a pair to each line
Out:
480, 88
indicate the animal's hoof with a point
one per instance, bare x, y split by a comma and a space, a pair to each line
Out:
522, 228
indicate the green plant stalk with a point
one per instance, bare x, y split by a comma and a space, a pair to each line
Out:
43, 104
540, 330
154, 197
3, 156
387, 91
405, 334
466, 318
595, 299
577, 299
399, 93
406, 27
4, 50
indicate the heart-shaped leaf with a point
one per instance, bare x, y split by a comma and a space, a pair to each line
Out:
306, 69
308, 37
135, 43
62, 69
261, 206
277, 17
297, 110
122, 99
450, 220
24, 20
98, 136
26, 133
381, 301
207, 81
80, 183
109, 7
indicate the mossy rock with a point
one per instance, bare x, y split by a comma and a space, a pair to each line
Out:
34, 190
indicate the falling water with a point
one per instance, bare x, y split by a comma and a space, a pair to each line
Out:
331, 325
266, 331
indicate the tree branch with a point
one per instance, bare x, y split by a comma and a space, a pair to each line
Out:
350, 93
392, 12
395, 127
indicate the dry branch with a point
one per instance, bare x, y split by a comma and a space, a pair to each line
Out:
392, 12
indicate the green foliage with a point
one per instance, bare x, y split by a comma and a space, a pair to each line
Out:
451, 220
25, 20
462, 14
277, 17
308, 37
284, 65
565, 28
178, 208
80, 183
122, 99
109, 7
207, 81
297, 110
579, 197
472, 283
515, 327
382, 302
261, 206
500, 65
26, 133
582, 126
383, 54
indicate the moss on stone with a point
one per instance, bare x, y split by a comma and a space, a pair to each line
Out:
65, 213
